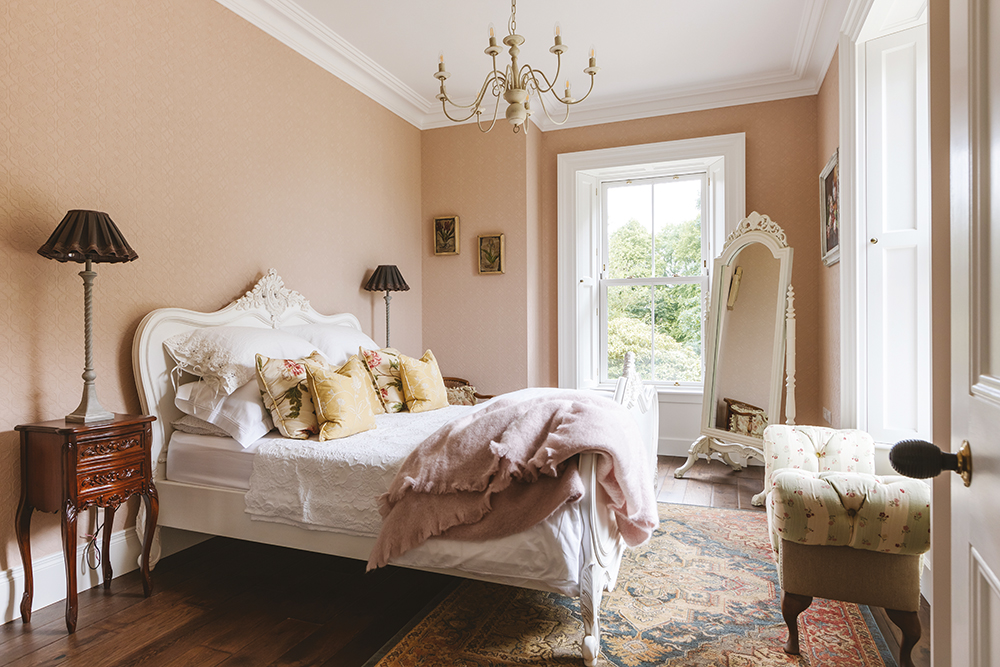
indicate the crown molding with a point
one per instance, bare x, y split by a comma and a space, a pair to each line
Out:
291, 25
727, 94
287, 22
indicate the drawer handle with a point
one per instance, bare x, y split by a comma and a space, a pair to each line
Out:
102, 448
104, 478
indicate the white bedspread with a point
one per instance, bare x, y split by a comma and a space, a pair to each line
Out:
335, 485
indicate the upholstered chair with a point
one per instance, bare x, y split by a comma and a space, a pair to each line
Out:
839, 531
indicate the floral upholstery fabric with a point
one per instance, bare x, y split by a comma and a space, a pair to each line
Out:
386, 376
423, 385
344, 398
464, 395
816, 449
886, 514
822, 490
284, 387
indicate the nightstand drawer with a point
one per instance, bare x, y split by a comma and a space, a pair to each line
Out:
99, 450
114, 483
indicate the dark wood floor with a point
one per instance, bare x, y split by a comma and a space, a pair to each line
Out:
231, 603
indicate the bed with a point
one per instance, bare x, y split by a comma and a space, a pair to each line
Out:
203, 480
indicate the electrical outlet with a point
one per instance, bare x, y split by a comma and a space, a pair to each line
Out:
827, 416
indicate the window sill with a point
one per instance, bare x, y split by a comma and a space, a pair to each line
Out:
666, 393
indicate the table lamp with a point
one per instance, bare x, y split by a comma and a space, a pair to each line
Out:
387, 278
88, 236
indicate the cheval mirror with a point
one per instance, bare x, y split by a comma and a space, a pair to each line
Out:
750, 346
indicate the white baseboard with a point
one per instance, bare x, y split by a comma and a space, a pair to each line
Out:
674, 446
50, 573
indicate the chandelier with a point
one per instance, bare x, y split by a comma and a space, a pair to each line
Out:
516, 83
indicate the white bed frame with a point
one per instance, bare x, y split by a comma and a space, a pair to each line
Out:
220, 511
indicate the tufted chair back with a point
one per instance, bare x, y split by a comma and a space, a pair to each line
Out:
816, 449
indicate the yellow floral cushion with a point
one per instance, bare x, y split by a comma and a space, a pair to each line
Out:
285, 390
383, 369
344, 398
423, 386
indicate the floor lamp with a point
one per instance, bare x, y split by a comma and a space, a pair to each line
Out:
90, 237
387, 278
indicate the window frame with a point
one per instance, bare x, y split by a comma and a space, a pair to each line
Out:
703, 278
577, 177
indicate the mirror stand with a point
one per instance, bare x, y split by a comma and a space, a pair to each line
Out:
751, 331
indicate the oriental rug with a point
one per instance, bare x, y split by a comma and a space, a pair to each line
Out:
702, 592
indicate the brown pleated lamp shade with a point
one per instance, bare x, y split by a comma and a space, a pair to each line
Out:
84, 235
387, 278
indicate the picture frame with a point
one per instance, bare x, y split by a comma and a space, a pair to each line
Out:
492, 260
829, 207
446, 235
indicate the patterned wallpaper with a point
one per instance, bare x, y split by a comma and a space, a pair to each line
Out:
219, 153
828, 104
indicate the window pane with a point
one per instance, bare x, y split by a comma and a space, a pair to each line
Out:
630, 328
630, 231
677, 342
677, 217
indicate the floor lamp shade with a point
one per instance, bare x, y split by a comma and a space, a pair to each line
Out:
88, 237
386, 278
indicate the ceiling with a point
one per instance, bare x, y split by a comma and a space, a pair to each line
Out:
656, 56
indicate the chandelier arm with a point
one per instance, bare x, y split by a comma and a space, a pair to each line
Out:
528, 70
541, 100
585, 96
444, 108
534, 74
496, 111
492, 76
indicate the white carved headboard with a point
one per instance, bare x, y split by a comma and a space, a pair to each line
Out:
267, 305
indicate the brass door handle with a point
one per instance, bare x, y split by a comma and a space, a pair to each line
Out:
922, 459
874, 240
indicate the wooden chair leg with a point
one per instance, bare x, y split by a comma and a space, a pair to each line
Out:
909, 623
793, 604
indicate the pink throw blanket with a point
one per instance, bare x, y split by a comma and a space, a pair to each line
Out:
510, 465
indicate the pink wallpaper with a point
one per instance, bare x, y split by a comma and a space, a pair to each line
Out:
828, 296
478, 325
219, 153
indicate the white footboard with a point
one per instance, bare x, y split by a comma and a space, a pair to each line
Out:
604, 550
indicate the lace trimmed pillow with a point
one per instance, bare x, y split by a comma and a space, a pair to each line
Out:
284, 386
384, 371
224, 356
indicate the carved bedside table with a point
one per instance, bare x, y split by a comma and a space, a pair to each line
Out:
67, 467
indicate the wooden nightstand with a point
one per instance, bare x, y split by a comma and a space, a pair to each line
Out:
67, 467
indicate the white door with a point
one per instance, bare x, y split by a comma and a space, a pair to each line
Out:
898, 223
975, 252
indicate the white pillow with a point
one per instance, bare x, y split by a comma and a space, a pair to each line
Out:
241, 414
224, 357
195, 426
336, 342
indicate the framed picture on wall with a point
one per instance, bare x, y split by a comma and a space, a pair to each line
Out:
446, 235
829, 207
491, 254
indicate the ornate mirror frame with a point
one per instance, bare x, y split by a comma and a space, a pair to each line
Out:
717, 443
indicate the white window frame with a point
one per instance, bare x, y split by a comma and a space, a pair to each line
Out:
724, 156
702, 278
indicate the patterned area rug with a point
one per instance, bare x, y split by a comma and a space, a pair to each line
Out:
702, 592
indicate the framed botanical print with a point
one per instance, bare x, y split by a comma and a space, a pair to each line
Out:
491, 254
829, 207
446, 240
